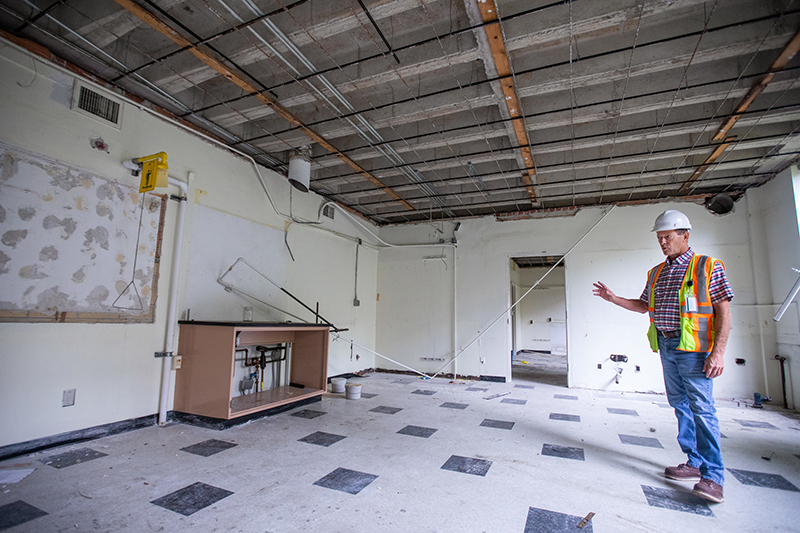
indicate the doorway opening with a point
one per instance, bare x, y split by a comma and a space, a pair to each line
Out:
539, 322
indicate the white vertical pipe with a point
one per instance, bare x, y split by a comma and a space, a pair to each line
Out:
455, 308
172, 313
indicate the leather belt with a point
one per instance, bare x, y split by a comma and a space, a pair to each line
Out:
670, 334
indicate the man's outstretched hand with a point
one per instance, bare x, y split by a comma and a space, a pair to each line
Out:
604, 292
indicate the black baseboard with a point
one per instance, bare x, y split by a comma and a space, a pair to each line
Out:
80, 435
219, 424
496, 379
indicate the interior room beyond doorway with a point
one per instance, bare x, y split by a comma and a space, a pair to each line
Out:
539, 321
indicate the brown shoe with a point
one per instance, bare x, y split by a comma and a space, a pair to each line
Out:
682, 472
708, 490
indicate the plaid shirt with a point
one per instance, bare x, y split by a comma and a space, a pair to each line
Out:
667, 305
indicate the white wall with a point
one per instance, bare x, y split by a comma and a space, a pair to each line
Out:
112, 366
619, 252
775, 211
541, 315
415, 310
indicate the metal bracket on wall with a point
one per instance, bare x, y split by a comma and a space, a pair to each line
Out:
163, 354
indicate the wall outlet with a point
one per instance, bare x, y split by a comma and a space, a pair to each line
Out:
483, 360
177, 361
68, 398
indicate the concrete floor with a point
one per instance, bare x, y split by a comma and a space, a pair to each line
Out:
516, 457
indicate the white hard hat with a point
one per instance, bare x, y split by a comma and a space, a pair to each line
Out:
671, 219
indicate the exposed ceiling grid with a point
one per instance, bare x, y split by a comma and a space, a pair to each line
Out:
419, 110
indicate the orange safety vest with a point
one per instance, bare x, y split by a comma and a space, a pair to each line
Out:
697, 311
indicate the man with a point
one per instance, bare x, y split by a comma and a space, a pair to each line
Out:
688, 298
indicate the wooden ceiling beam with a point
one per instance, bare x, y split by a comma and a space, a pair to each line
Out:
497, 44
157, 24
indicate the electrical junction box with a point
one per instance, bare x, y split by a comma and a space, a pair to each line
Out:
68, 398
177, 361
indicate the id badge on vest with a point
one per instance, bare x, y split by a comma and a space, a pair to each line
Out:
691, 304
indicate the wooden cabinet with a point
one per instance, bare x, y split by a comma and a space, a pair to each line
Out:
203, 383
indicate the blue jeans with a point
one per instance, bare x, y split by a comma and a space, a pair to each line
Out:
691, 394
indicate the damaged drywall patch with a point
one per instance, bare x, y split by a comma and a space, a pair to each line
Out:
45, 202
31, 272
98, 295
13, 237
99, 235
108, 191
8, 167
105, 211
68, 225
3, 260
26, 213
53, 299
48, 253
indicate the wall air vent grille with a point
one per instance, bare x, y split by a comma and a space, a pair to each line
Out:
328, 211
90, 102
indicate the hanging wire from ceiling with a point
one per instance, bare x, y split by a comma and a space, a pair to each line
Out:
622, 100
724, 100
399, 76
675, 96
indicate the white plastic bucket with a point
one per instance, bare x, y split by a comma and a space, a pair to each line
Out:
353, 391
337, 384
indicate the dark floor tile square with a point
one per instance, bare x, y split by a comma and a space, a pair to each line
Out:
417, 431
18, 512
344, 480
320, 438
663, 405
207, 448
424, 392
524, 386
467, 465
497, 424
566, 418
544, 521
676, 500
476, 389
403, 381
565, 452
649, 442
758, 479
628, 412
513, 401
309, 413
797, 455
191, 499
73, 457
756, 424
386, 410
454, 405
368, 395
564, 397
722, 435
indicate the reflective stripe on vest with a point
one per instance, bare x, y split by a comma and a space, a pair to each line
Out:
696, 326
